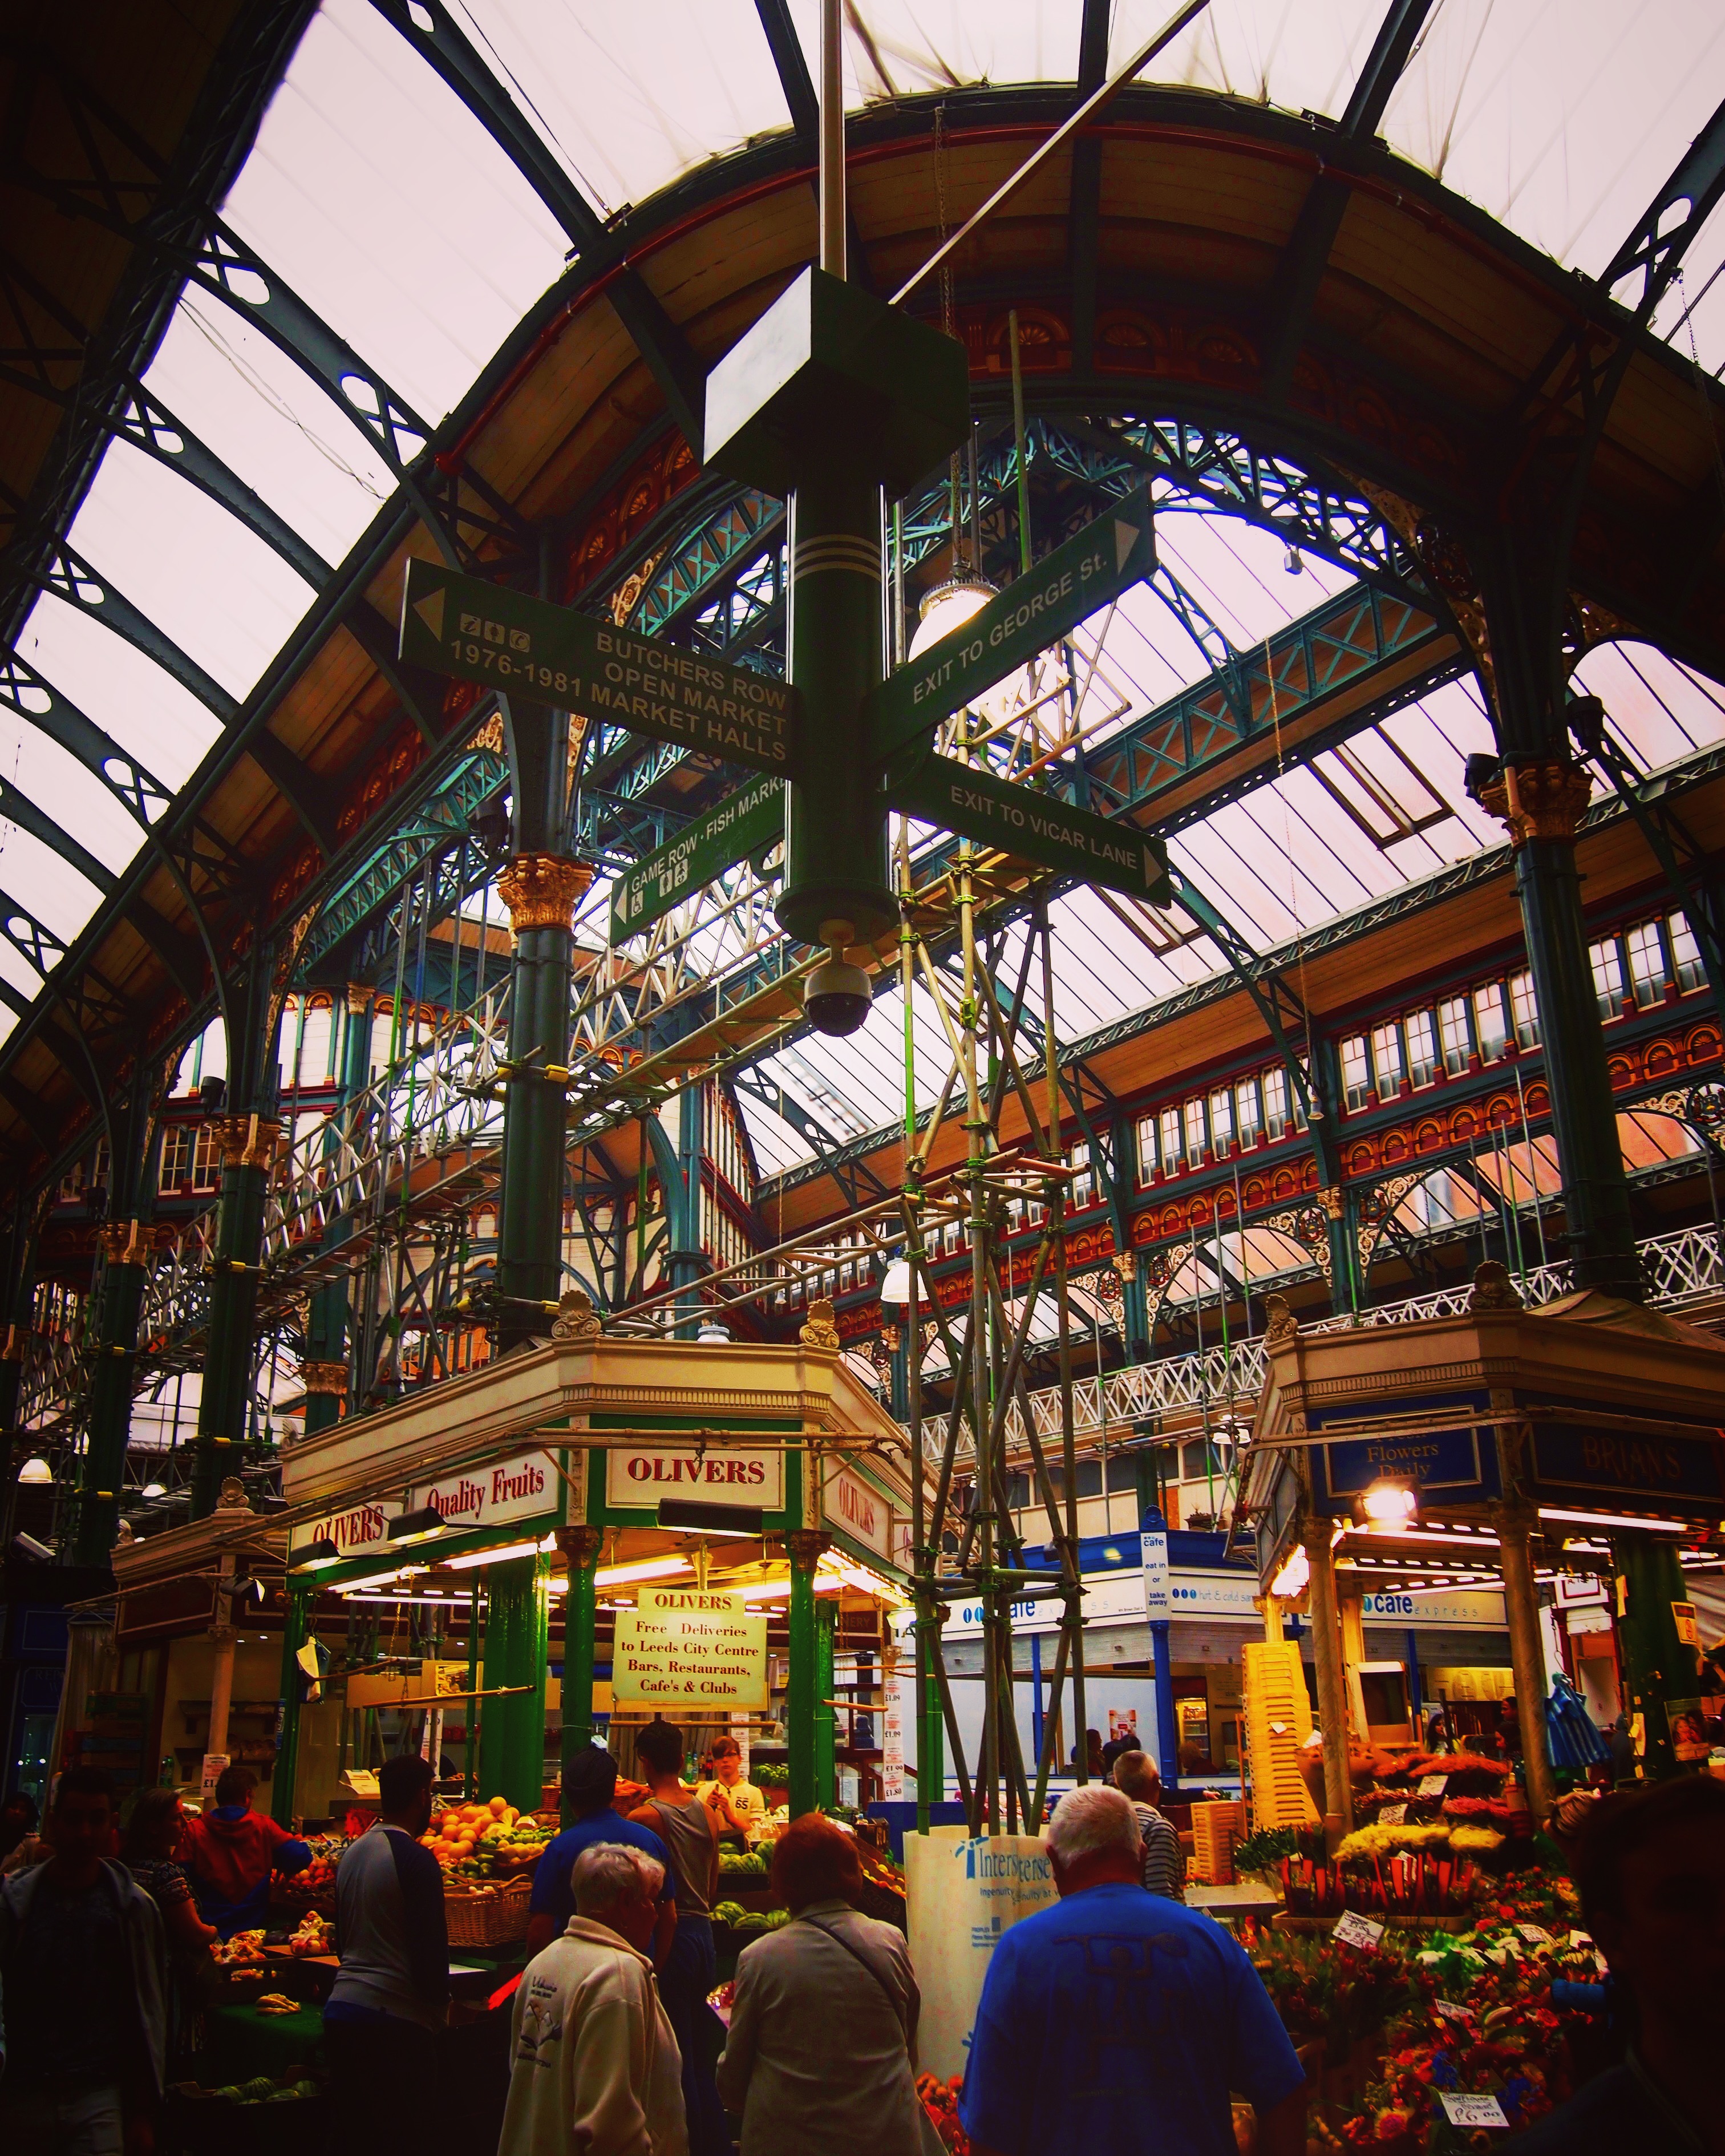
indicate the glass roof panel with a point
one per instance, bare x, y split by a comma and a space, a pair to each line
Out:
144, 710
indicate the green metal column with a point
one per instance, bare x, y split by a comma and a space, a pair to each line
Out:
835, 889
287, 1757
512, 1732
804, 1546
1539, 793
684, 1257
540, 887
1657, 1668
125, 1247
932, 1736
826, 1765
246, 1135
581, 1546
326, 1370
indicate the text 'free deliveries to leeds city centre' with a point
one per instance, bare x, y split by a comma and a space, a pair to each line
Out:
679, 1648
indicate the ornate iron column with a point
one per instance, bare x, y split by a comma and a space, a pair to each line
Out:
540, 891
325, 1371
804, 1546
581, 1546
513, 1727
1332, 1684
294, 1634
126, 1250
1658, 1669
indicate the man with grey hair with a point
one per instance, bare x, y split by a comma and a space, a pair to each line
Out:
1137, 1781
1118, 2018
595, 2070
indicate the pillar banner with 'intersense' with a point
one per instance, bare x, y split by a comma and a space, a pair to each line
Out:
680, 1650
963, 1893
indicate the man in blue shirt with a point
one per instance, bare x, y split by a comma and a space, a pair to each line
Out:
589, 1785
1117, 2019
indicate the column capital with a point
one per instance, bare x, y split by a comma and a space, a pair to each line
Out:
248, 1141
581, 1545
1540, 800
324, 1380
360, 996
541, 890
806, 1546
124, 1243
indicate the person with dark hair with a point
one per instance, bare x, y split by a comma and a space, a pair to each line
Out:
1650, 1867
391, 1994
589, 1783
685, 1826
81, 1962
231, 1851
734, 1801
152, 1836
1164, 1861
18, 1819
828, 1968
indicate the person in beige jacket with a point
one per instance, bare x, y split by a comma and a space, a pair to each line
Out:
594, 2068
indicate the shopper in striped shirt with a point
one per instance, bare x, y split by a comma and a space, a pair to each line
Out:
1164, 1863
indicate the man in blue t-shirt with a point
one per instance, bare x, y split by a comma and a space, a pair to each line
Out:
589, 1784
1117, 2019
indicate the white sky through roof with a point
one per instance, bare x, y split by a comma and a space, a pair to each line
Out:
383, 201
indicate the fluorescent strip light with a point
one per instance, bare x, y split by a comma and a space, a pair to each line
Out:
380, 1578
499, 1556
1615, 1520
648, 1568
430, 1601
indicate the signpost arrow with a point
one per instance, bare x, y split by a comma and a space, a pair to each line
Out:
976, 805
1094, 565
479, 632
743, 824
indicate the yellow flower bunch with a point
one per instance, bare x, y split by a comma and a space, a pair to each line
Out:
1368, 1841
1475, 1841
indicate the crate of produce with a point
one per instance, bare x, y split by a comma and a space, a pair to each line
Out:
487, 1916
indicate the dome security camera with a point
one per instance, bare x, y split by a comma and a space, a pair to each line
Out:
835, 997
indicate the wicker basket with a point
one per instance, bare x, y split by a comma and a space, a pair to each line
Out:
488, 1920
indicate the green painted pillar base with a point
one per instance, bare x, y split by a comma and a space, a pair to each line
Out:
513, 1729
826, 1735
1658, 1670
287, 1756
104, 1475
932, 1736
804, 1546
581, 1547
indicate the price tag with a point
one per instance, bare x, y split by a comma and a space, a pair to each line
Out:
1278, 1729
1353, 1930
1600, 1963
1450, 2010
1581, 1938
1392, 1814
1432, 1785
1536, 1935
1472, 2110
1500, 1955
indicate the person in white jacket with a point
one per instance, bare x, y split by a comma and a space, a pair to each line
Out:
594, 2068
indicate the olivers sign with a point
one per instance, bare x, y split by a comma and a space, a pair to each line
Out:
681, 1649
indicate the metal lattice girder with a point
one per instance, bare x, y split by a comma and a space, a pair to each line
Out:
145, 422
224, 266
1307, 253
685, 577
791, 66
432, 31
1657, 245
1350, 662
40, 704
68, 576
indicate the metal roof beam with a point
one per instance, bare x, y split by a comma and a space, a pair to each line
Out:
39, 703
792, 64
1084, 206
308, 796
1657, 244
1307, 255
70, 578
432, 31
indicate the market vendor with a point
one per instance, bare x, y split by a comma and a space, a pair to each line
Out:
231, 1851
734, 1801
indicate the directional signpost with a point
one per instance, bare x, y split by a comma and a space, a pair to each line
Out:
745, 822
1091, 568
1015, 820
480, 632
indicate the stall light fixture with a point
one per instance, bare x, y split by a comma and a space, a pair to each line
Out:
647, 1567
499, 1556
1390, 1504
35, 1471
427, 1599
1441, 1535
381, 1579
319, 1557
152, 1490
418, 1526
1295, 1573
1615, 1520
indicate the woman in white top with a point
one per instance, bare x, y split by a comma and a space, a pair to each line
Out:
797, 2086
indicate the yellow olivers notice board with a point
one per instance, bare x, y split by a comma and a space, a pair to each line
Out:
680, 1648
